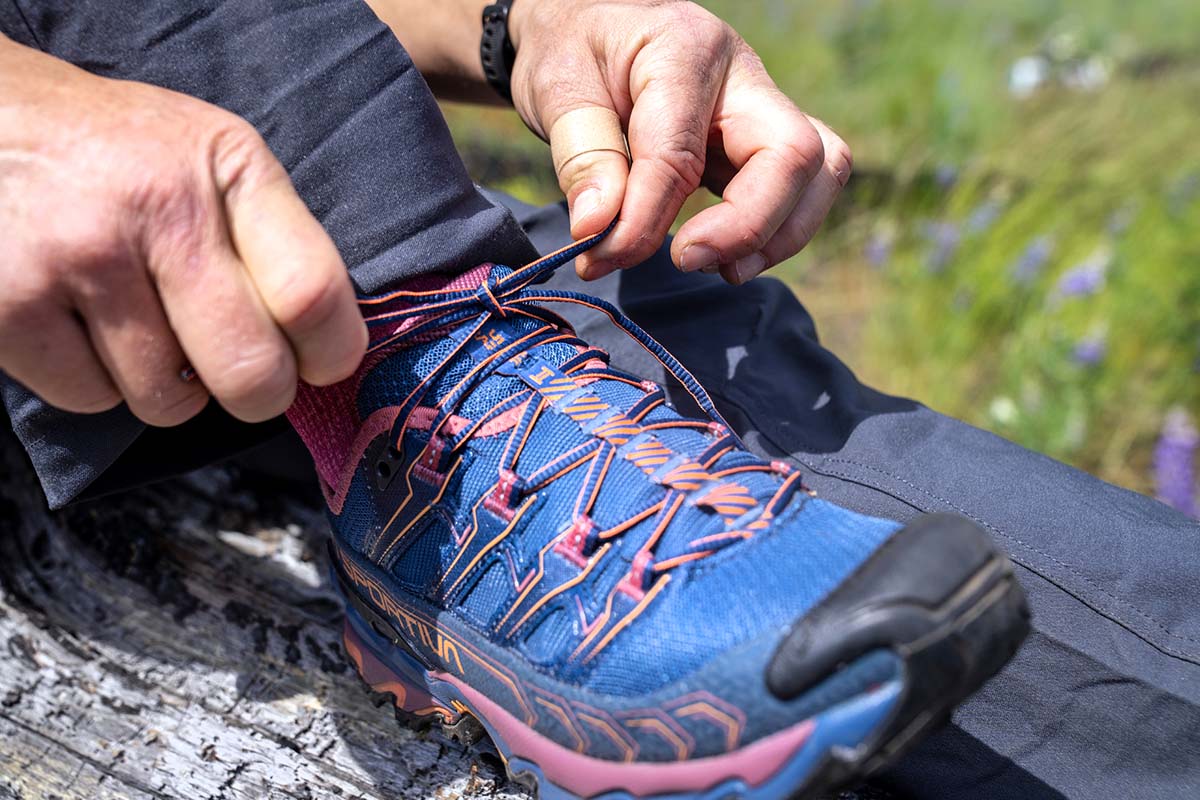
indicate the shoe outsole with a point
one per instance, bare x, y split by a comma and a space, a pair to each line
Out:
963, 640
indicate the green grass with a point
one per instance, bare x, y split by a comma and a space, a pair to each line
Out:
943, 149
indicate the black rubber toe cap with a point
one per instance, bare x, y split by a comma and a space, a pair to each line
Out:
927, 576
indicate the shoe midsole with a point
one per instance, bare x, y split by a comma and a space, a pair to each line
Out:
421, 691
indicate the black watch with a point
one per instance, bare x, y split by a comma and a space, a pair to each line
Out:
496, 49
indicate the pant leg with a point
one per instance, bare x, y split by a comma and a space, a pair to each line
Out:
339, 103
1103, 701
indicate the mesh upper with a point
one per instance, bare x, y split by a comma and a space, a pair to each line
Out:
744, 590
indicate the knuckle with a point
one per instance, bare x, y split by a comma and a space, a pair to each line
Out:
25, 308
258, 385
707, 35
85, 391
632, 252
180, 225
239, 156
756, 230
682, 157
94, 245
801, 232
90, 400
89, 251
750, 63
307, 302
804, 151
838, 156
170, 407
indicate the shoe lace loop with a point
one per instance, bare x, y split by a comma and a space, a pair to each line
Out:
422, 313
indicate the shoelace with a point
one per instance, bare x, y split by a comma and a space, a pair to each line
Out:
467, 313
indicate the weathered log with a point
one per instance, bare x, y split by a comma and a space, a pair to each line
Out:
182, 641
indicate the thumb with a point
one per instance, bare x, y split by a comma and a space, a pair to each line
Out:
592, 163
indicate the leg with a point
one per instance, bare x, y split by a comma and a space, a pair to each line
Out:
1104, 699
338, 101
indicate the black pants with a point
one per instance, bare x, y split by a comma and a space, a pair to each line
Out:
1104, 699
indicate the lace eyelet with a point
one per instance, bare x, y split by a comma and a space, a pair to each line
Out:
503, 500
578, 544
640, 576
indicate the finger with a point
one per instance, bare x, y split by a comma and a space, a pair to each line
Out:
48, 351
777, 152
133, 340
292, 262
229, 336
225, 329
814, 206
668, 137
591, 160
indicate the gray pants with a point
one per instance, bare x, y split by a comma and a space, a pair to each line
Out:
1104, 699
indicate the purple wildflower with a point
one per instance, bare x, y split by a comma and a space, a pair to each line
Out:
983, 216
878, 249
945, 175
1174, 463
1029, 265
1090, 350
945, 237
1083, 279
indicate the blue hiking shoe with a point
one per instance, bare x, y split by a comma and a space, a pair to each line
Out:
536, 546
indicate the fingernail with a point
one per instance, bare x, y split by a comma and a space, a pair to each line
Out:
698, 257
587, 202
711, 269
746, 268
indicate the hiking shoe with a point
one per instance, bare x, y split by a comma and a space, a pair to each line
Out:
536, 546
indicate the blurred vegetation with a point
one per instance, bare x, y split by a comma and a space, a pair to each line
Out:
1020, 243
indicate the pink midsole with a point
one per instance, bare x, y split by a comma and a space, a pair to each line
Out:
586, 776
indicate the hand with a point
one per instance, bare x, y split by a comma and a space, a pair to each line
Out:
699, 109
146, 231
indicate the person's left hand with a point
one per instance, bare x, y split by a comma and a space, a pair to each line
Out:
698, 109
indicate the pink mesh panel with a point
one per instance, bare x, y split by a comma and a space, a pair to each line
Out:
327, 420
326, 417
448, 283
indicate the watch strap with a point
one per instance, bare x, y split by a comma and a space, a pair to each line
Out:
496, 49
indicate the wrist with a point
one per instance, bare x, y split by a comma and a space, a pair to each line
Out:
518, 15
443, 41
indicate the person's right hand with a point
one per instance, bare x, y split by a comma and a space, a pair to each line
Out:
145, 231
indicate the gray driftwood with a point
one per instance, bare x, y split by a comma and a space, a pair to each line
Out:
182, 641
